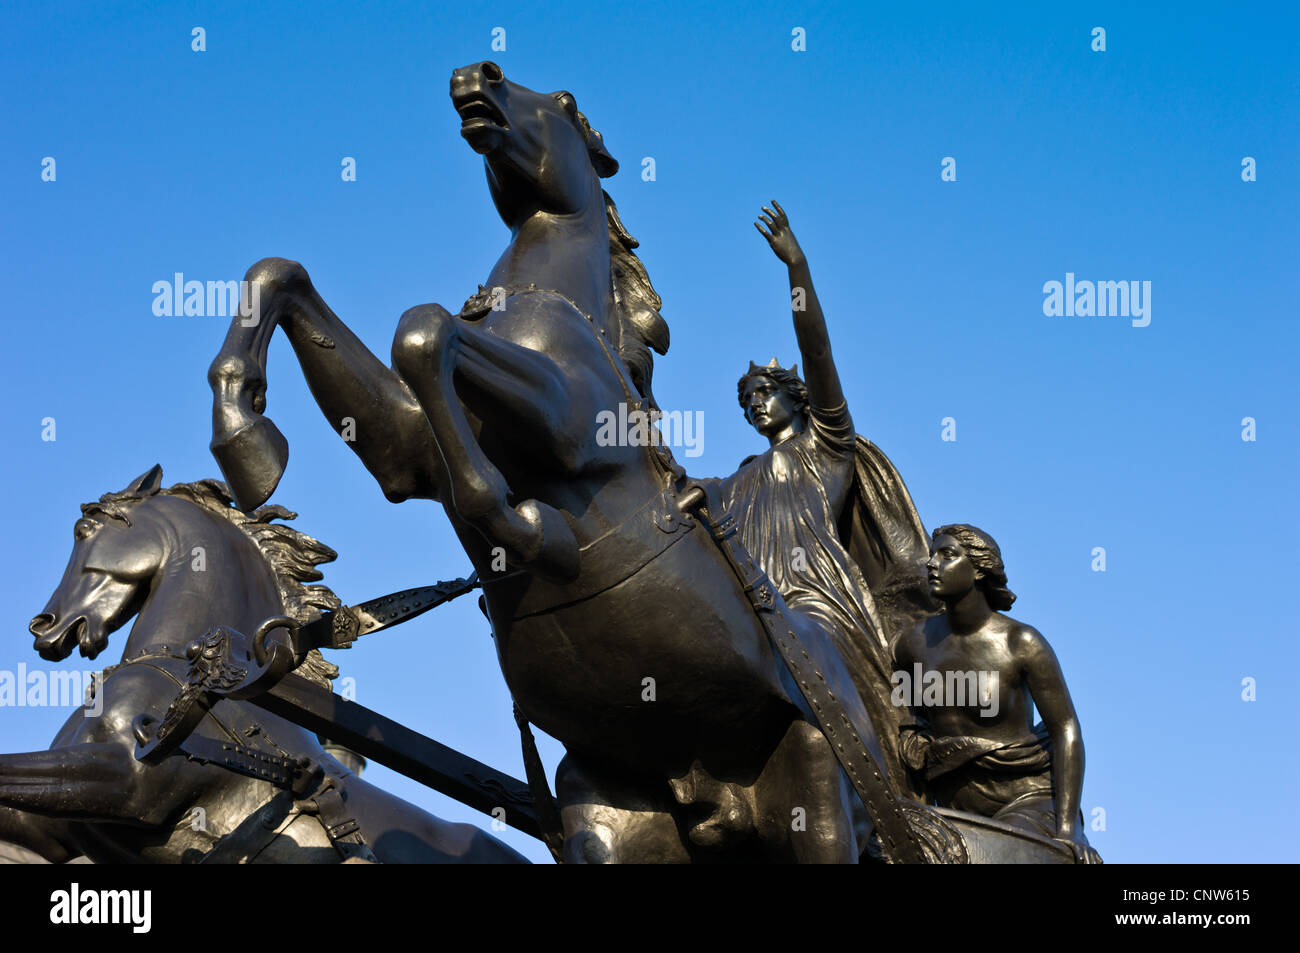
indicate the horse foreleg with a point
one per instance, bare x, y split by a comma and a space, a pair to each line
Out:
47, 836
508, 383
362, 398
426, 352
93, 781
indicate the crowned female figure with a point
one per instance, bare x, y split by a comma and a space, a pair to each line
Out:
823, 511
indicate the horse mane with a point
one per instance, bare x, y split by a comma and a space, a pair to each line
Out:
292, 555
639, 325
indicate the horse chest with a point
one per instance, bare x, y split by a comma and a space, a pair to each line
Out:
632, 671
548, 323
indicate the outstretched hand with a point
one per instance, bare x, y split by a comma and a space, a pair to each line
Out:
779, 235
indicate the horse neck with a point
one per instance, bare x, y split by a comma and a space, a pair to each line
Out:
564, 253
236, 587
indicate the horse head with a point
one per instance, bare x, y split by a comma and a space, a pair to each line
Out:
183, 558
116, 552
541, 154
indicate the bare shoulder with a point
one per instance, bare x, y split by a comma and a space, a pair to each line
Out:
1024, 641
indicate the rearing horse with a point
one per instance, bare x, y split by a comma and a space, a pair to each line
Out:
622, 627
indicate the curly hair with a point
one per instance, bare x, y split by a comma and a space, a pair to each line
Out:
639, 327
984, 554
788, 380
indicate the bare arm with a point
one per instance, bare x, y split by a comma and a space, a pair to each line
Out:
823, 380
1047, 688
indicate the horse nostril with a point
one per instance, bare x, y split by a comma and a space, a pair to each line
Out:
40, 623
491, 72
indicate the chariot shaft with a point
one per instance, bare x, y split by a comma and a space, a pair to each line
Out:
407, 752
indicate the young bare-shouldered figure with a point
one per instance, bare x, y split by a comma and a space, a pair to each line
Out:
979, 751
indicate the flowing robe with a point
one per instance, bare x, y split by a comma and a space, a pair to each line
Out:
791, 503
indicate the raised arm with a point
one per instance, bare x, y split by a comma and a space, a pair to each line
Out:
1048, 690
823, 380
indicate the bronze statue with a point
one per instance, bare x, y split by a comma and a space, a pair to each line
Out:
822, 509
630, 623
247, 786
973, 675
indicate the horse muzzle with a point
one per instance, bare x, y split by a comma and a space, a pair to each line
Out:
55, 640
483, 121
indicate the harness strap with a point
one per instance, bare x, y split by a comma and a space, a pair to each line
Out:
156, 650
242, 759
340, 826
883, 807
302, 779
548, 812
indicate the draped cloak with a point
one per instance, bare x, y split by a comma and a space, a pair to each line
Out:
1007, 781
828, 563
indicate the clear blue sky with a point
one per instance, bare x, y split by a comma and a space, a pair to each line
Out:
1072, 433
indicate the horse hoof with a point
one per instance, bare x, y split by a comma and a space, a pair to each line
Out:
252, 459
556, 557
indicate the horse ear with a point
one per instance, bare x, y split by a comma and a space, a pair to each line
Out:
147, 483
604, 163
